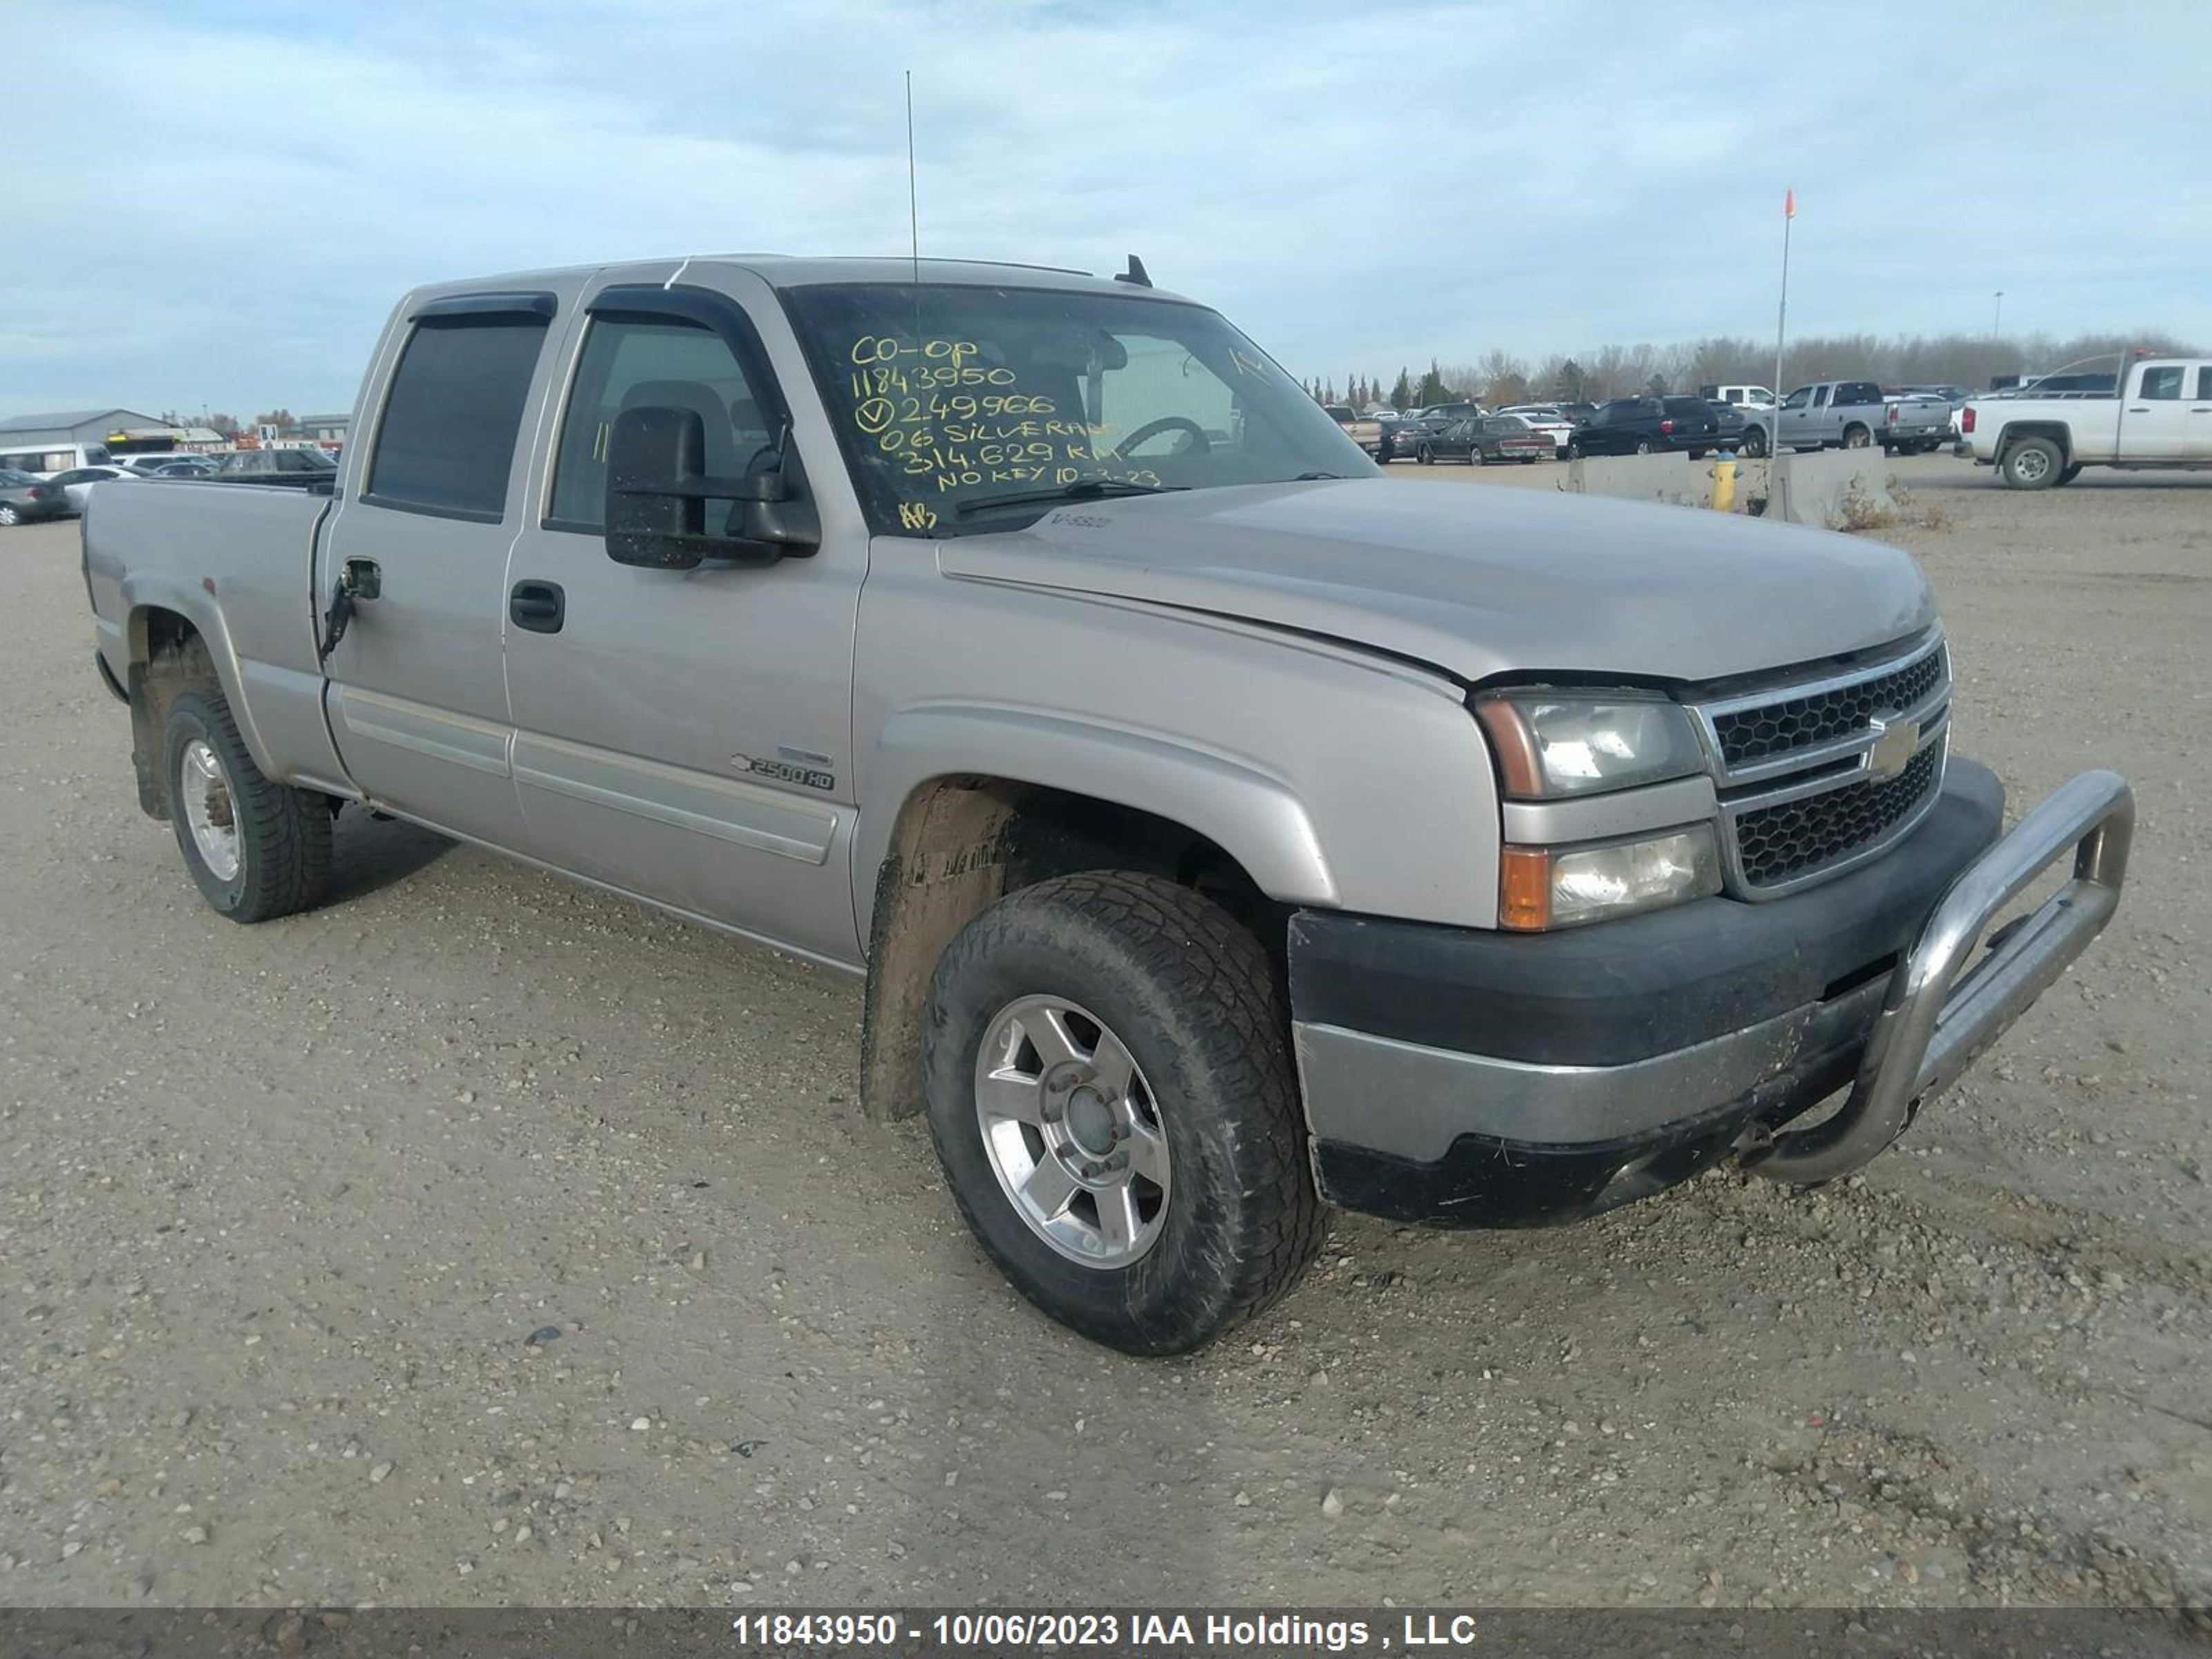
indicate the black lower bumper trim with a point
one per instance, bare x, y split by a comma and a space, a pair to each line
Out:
1623, 991
1486, 1181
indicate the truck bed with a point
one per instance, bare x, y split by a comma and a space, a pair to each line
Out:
237, 560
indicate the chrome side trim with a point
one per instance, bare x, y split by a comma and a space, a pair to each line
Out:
1939, 1014
1413, 1101
743, 815
457, 739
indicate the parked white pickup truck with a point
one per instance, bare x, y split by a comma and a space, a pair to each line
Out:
1221, 827
2163, 420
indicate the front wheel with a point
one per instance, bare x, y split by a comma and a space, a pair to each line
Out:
256, 849
1425, 456
1110, 1089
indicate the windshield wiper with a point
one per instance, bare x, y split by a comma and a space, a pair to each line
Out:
1315, 477
1083, 490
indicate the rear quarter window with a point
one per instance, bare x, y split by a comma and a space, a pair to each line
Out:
447, 441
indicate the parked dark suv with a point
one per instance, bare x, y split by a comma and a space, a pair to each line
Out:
1648, 426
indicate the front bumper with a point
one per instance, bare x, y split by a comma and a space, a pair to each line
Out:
1460, 1077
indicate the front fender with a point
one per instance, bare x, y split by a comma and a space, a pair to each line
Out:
1253, 815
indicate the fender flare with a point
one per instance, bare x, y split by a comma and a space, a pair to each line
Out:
143, 592
1250, 814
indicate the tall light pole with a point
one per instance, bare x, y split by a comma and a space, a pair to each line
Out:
1996, 321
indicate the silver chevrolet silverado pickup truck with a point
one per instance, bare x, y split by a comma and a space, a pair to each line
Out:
1222, 829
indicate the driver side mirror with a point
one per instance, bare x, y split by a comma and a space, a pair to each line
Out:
657, 494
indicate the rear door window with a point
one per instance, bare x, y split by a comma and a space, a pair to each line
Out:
2162, 382
446, 442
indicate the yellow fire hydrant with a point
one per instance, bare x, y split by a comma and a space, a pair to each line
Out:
1724, 484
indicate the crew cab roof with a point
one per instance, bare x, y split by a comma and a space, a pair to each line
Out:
784, 271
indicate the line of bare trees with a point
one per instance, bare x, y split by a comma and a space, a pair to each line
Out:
1615, 371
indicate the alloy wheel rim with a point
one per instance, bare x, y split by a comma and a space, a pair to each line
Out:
1072, 1131
210, 813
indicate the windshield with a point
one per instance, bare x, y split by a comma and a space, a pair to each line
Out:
948, 396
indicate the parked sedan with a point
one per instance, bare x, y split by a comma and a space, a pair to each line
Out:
1404, 440
173, 466
76, 484
26, 499
1647, 426
1483, 439
1546, 419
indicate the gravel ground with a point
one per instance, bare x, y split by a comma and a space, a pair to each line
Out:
281, 1209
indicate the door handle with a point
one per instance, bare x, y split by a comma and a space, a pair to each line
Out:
540, 607
359, 582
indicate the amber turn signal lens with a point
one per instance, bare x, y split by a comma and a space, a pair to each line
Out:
1514, 747
1524, 889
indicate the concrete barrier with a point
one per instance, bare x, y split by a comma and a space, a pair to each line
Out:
1832, 488
1670, 478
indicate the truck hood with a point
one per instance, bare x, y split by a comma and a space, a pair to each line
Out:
1478, 581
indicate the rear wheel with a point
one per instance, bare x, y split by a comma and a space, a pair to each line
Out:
1425, 456
9, 514
1110, 1089
1643, 446
1755, 443
1856, 437
2031, 463
256, 849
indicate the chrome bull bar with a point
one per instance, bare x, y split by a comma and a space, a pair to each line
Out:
1937, 1019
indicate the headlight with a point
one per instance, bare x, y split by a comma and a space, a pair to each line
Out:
1542, 887
1551, 744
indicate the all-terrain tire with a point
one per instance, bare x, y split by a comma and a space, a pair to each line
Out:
283, 833
1193, 996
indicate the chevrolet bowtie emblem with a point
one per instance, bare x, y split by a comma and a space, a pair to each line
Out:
1895, 743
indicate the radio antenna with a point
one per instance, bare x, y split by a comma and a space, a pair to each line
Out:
912, 209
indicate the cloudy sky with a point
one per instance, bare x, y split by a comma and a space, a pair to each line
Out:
215, 201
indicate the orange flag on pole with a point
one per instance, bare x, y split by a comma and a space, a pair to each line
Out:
1789, 203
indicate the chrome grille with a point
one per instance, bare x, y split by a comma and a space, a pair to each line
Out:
1811, 778
1806, 722
1775, 843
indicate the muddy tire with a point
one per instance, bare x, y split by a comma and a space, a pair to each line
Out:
1112, 1015
2031, 463
256, 849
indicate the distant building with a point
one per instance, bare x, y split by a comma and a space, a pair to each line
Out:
53, 443
324, 429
